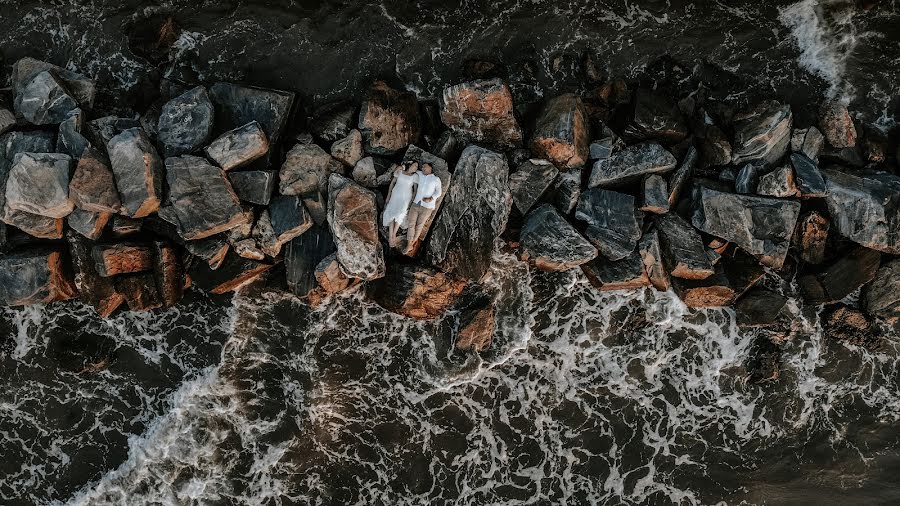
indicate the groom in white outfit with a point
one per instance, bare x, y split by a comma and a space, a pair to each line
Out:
427, 193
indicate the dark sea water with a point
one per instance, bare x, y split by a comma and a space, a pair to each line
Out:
584, 398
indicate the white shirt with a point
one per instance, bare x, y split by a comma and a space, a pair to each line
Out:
429, 186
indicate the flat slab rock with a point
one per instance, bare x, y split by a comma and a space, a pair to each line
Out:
551, 243
306, 169
34, 277
82, 88
202, 199
186, 122
44, 100
682, 248
389, 120
353, 218
138, 172
88, 223
530, 181
482, 112
38, 183
114, 259
865, 208
237, 105
415, 291
238, 147
442, 171
475, 211
762, 133
254, 186
632, 163
562, 132
284, 219
612, 221
760, 226
625, 274
233, 273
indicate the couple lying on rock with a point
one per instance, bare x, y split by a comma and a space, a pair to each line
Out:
412, 198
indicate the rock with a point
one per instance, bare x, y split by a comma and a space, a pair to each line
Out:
762, 133
303, 254
82, 89
631, 164
654, 116
604, 148
202, 199
682, 248
808, 142
348, 150
253, 186
811, 237
168, 273
138, 172
841, 278
33, 224
550, 243
763, 363
850, 326
389, 120
114, 259
881, 298
101, 130
566, 191
778, 183
238, 147
655, 195
317, 206
759, 308
139, 291
232, 274
123, 226
625, 274
364, 172
353, 218
7, 120
442, 171
865, 208
530, 181
415, 291
875, 144
651, 257
285, 219
186, 122
34, 277
748, 178
211, 250
837, 125
476, 327
93, 289
306, 169
13, 143
448, 146
88, 223
810, 182
842, 156
333, 121
475, 210
714, 290
482, 112
248, 248
330, 276
562, 132
612, 223
715, 148
70, 141
44, 100
236, 106
760, 226
38, 183
682, 175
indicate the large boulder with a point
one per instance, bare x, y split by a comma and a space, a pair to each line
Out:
530, 181
625, 274
762, 133
482, 112
353, 218
760, 226
348, 150
33, 277
865, 208
13, 143
253, 186
882, 296
138, 172
612, 221
779, 182
655, 195
333, 121
550, 243
81, 88
631, 164
202, 199
186, 122
837, 125
233, 273
139, 291
284, 219
88, 223
682, 248
389, 120
415, 291
306, 169
93, 289
475, 210
303, 254
562, 132
654, 116
38, 183
34, 225
841, 278
44, 100
238, 147
236, 106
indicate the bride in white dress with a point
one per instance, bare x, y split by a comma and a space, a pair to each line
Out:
400, 197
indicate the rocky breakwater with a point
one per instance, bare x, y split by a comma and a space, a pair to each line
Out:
208, 189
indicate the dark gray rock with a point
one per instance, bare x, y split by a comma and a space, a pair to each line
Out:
236, 106
808, 141
233, 273
33, 224
211, 250
333, 121
253, 186
80, 87
13, 143
865, 208
810, 182
482, 112
778, 183
682, 175
138, 172
651, 257
631, 164
837, 125
364, 172
123, 226
682, 248
448, 146
70, 140
841, 278
530, 181
747, 178
550, 243
852, 157
306, 169
654, 116
612, 221
202, 199
285, 219
93, 187
38, 183
44, 100
34, 277
415, 291
101, 130
186, 122
88, 223
881, 297
714, 290
760, 226
602, 149
93, 289
562, 132
353, 218
759, 308
475, 211
389, 120
317, 206
7, 120
566, 190
625, 274
302, 256
762, 133
714, 147
238, 147
655, 195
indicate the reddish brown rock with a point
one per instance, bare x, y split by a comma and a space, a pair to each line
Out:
482, 112
837, 125
168, 274
92, 187
203, 202
415, 291
329, 275
33, 277
139, 291
93, 289
811, 236
562, 132
114, 259
476, 324
851, 326
389, 120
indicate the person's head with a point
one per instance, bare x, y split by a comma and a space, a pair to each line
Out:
410, 167
427, 169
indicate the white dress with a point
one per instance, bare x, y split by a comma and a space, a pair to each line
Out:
401, 198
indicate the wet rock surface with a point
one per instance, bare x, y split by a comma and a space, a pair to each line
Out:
550, 243
254, 186
562, 132
762, 133
186, 122
44, 100
529, 182
865, 208
482, 112
389, 120
415, 291
612, 222
203, 201
32, 277
352, 216
654, 116
138, 172
238, 147
631, 164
